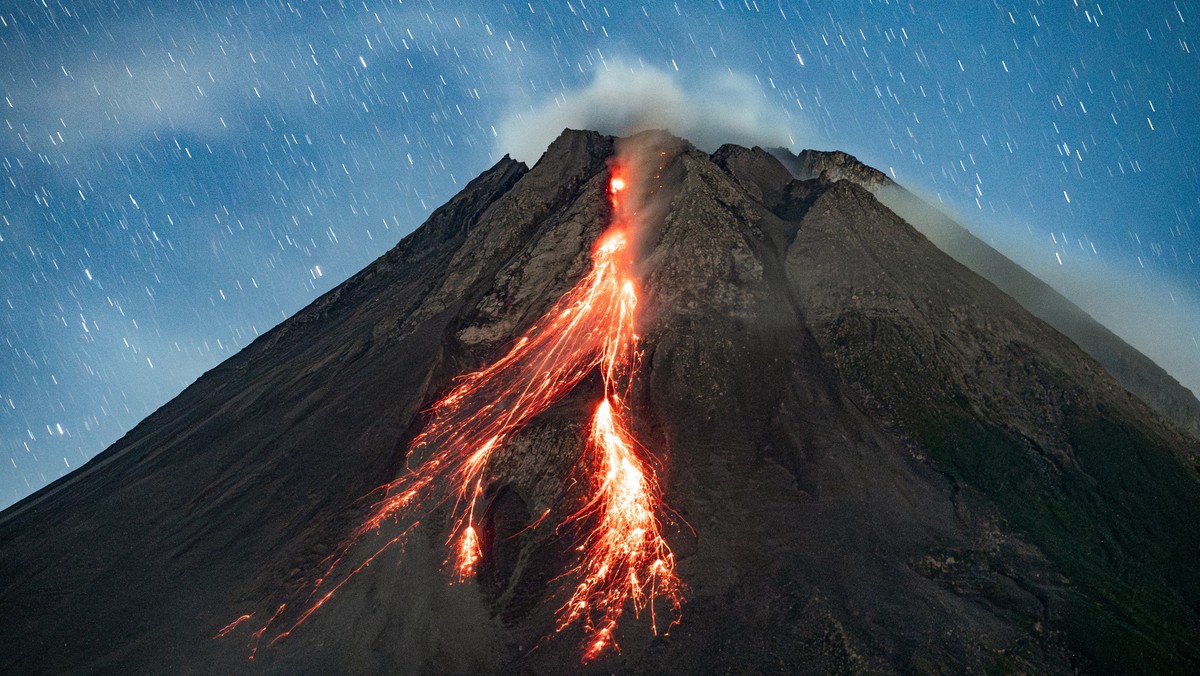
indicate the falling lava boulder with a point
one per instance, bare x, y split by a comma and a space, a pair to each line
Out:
875, 460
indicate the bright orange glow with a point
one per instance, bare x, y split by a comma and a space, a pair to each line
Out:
257, 636
624, 557
233, 625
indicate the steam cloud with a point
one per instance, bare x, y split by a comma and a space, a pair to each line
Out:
623, 101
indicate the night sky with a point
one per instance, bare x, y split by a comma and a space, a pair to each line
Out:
178, 177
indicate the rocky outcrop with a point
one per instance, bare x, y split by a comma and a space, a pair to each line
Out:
830, 166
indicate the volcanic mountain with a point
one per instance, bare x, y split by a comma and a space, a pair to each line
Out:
871, 459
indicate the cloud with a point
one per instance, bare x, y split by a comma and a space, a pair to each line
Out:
620, 100
104, 103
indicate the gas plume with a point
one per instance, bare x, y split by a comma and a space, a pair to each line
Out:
622, 100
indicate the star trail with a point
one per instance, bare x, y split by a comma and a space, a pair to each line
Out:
178, 178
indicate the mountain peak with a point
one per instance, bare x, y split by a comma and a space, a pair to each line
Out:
832, 165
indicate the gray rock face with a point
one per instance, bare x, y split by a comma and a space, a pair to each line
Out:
878, 461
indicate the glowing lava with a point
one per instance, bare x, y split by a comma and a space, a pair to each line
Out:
623, 556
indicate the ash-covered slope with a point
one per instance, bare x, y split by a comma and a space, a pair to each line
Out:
1131, 368
884, 463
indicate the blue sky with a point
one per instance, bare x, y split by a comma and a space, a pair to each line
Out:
176, 178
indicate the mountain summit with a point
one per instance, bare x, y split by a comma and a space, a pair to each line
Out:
872, 458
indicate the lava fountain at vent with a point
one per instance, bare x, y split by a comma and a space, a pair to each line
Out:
623, 558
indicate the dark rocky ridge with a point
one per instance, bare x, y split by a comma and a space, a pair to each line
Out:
1131, 368
834, 165
887, 463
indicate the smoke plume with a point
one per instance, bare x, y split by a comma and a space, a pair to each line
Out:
622, 101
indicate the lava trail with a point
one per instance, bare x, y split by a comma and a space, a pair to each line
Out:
623, 558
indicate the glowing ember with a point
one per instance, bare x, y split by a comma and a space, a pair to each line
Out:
233, 625
624, 557
257, 636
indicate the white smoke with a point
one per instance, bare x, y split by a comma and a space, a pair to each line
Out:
621, 100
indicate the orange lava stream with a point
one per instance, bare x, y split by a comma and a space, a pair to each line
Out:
488, 407
233, 625
623, 556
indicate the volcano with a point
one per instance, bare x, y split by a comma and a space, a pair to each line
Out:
865, 457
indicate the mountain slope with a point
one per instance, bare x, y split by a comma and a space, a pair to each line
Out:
1131, 368
877, 460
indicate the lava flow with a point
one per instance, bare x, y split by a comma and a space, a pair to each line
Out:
624, 557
